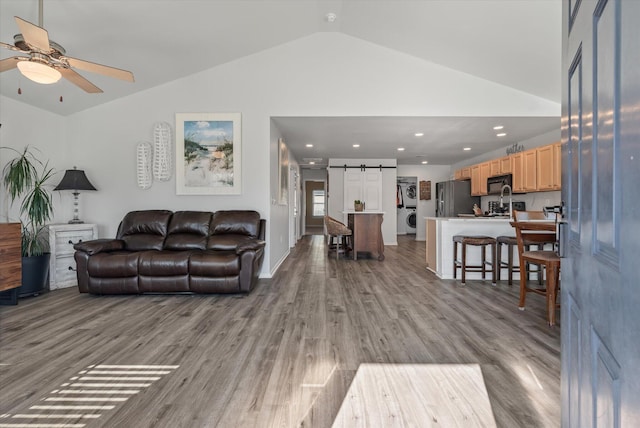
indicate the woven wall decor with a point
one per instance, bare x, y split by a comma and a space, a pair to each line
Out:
144, 159
162, 153
425, 190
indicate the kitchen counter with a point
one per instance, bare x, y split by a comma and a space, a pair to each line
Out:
440, 232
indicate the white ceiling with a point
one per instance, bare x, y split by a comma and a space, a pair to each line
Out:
515, 43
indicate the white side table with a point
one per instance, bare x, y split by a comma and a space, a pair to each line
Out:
62, 237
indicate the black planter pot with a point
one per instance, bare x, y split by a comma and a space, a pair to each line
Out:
35, 275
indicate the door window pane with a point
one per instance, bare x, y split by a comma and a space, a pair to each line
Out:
318, 203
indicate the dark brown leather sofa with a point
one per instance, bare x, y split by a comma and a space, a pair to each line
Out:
159, 251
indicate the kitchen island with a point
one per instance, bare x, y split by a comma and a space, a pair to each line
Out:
440, 232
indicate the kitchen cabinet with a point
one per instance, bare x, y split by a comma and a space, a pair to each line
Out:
545, 168
517, 172
462, 173
534, 170
500, 166
431, 245
505, 165
557, 166
524, 171
62, 265
479, 175
530, 170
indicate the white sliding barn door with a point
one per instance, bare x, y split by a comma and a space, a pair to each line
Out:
363, 185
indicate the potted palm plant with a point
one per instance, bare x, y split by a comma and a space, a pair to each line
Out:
24, 178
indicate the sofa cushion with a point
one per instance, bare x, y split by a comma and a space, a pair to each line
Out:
236, 222
214, 263
229, 242
144, 230
188, 230
164, 263
117, 264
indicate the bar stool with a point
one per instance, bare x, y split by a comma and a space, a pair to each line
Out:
510, 242
338, 236
481, 241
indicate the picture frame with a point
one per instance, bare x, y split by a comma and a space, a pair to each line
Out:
283, 173
208, 154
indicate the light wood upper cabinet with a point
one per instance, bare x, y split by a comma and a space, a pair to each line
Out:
475, 180
545, 168
530, 175
534, 170
463, 173
524, 171
500, 166
505, 165
517, 172
479, 174
549, 167
557, 166
495, 168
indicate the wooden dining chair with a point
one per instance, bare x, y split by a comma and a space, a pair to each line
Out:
531, 232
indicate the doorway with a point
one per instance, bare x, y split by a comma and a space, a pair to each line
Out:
315, 207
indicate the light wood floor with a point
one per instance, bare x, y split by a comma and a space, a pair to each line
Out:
283, 356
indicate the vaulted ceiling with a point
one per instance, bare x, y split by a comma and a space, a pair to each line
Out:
514, 43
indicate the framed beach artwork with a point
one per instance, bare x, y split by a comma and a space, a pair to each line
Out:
208, 154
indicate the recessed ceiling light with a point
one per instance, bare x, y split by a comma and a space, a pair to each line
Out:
419, 134
356, 145
312, 163
424, 162
401, 149
309, 145
502, 134
498, 127
467, 148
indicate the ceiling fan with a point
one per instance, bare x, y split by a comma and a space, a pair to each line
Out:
47, 61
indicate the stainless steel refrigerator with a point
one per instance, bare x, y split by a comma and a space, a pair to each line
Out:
454, 197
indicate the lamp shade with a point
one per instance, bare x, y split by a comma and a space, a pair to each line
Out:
38, 72
74, 179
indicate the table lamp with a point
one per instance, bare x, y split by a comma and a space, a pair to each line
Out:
75, 179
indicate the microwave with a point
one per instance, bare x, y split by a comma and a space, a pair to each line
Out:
495, 184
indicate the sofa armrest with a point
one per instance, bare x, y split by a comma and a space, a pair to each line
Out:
99, 246
253, 245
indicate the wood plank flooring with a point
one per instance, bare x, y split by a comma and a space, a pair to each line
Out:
283, 356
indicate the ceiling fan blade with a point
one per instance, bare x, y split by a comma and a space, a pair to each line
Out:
78, 80
100, 69
34, 35
9, 63
10, 47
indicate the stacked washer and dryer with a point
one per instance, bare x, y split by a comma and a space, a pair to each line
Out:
407, 201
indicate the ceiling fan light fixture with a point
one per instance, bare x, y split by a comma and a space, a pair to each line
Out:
38, 72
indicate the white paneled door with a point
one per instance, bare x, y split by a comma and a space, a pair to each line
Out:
600, 187
364, 185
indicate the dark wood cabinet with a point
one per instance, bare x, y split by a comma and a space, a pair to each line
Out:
10, 256
367, 233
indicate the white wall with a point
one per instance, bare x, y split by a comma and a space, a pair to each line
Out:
325, 74
433, 173
45, 133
